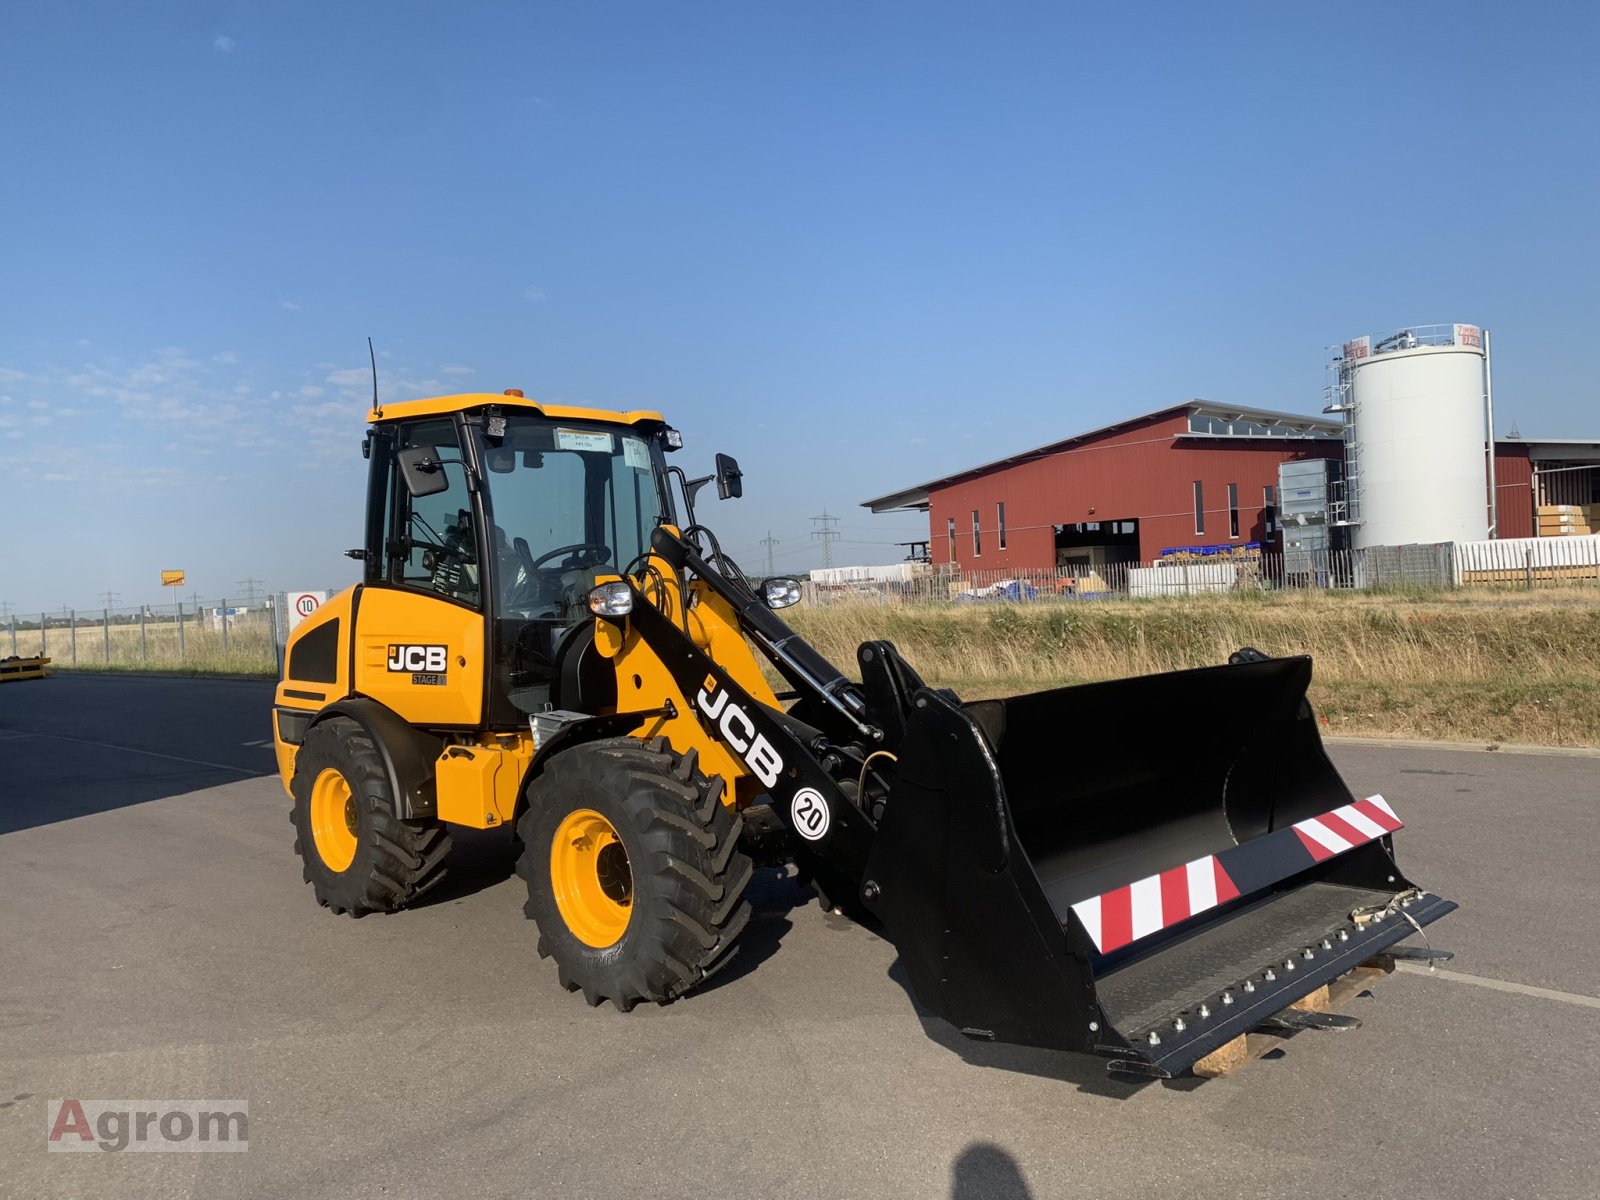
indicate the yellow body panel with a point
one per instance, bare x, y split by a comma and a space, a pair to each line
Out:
314, 693
477, 783
307, 694
391, 619
443, 406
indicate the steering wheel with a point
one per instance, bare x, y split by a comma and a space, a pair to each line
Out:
597, 553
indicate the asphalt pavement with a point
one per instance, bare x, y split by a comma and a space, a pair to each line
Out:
157, 943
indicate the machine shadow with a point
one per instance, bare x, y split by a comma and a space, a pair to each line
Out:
773, 894
479, 859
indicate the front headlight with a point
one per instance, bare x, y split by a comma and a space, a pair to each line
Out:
780, 592
613, 599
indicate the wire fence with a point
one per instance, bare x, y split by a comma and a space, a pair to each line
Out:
1528, 562
226, 635
247, 636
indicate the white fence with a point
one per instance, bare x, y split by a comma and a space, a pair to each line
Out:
1529, 561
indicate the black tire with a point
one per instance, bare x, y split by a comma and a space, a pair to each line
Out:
686, 874
394, 861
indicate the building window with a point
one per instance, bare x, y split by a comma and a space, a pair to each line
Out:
1233, 510
1199, 508
1269, 503
1000, 519
977, 543
951, 528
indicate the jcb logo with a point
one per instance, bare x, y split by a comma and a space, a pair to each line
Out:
739, 731
433, 660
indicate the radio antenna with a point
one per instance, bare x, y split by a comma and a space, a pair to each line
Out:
374, 357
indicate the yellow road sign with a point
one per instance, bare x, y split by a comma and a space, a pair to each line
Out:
172, 579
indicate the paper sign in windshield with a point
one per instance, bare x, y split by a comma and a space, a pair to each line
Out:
576, 439
636, 454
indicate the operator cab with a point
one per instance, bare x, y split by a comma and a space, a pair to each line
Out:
514, 513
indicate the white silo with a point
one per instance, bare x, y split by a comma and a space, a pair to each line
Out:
1416, 437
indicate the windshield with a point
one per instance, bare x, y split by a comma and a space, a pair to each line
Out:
569, 501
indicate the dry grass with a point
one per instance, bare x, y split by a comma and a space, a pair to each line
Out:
1458, 666
249, 650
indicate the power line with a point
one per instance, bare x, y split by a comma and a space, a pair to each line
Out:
826, 534
769, 542
111, 598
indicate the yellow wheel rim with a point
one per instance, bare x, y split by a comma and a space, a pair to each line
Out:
333, 820
590, 876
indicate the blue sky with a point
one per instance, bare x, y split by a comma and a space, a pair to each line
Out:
858, 245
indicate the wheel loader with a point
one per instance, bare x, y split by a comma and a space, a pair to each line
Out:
546, 640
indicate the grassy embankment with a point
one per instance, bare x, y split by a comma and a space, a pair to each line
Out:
1458, 666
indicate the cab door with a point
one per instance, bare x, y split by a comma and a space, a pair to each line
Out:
420, 639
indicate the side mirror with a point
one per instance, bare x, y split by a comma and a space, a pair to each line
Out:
422, 472
730, 480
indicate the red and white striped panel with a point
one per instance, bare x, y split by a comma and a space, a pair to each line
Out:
1135, 910
1125, 914
1344, 828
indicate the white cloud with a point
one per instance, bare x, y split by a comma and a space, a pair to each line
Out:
310, 392
38, 405
533, 292
288, 306
351, 378
456, 371
7, 375
224, 43
225, 357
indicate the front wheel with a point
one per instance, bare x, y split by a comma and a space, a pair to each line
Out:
634, 875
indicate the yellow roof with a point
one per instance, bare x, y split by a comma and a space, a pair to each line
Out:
444, 405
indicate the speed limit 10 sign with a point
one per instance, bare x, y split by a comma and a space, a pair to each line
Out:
303, 605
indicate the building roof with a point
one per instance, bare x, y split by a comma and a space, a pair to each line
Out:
1291, 425
1561, 449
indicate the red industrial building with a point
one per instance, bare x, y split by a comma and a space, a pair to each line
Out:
1194, 474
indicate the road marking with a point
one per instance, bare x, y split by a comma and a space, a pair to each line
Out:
1501, 985
193, 762
1509, 748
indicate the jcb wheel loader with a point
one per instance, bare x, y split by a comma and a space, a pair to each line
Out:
545, 638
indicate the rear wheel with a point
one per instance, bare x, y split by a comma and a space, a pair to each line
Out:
359, 857
634, 875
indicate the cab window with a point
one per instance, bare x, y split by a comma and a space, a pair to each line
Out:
432, 540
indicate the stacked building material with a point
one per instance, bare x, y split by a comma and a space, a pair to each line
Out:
1567, 520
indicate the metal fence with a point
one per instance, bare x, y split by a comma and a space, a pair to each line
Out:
196, 634
1530, 562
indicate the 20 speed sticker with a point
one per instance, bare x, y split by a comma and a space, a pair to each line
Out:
809, 812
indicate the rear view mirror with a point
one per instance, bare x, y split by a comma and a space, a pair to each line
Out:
730, 480
422, 472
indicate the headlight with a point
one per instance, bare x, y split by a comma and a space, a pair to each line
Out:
611, 600
780, 592
672, 438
